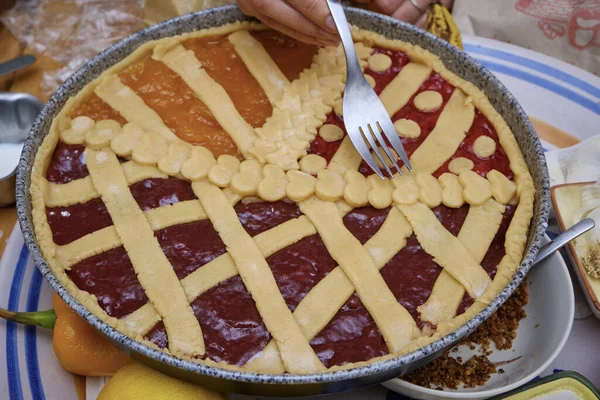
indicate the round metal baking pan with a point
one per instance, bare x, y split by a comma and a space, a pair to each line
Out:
293, 385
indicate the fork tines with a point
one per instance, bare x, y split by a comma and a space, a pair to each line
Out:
373, 136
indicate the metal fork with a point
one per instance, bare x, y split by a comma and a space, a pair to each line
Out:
365, 117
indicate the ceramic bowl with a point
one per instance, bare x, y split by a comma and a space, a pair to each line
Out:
328, 382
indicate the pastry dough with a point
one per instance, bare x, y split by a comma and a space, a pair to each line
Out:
407, 128
380, 62
331, 133
459, 164
484, 147
428, 101
450, 130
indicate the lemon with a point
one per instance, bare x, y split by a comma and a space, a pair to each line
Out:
136, 381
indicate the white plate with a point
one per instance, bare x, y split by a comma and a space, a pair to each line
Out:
540, 337
551, 90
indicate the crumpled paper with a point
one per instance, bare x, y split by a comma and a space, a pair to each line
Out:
579, 163
71, 32
565, 29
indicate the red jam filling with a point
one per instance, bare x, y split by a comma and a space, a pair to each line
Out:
299, 267
291, 56
111, 278
158, 192
258, 217
382, 79
184, 248
426, 120
233, 329
326, 149
66, 223
498, 161
352, 335
68, 164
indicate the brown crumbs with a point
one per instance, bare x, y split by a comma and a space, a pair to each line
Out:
500, 329
591, 262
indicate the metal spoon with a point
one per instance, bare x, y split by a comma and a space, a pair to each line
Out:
565, 237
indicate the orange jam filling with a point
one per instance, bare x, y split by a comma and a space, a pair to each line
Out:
178, 106
291, 56
95, 108
220, 60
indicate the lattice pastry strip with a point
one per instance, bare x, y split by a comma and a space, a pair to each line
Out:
223, 268
476, 235
131, 106
297, 354
446, 249
450, 130
260, 64
402, 88
82, 190
395, 323
187, 66
153, 269
320, 305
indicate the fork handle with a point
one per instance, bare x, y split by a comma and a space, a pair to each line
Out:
341, 23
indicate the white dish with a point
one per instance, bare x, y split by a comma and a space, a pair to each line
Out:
540, 337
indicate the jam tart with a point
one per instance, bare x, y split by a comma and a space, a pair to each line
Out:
202, 196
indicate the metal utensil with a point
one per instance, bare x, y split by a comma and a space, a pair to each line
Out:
365, 117
563, 238
16, 64
17, 113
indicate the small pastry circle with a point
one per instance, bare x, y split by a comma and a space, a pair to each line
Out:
380, 62
370, 80
312, 164
331, 133
407, 128
460, 164
484, 147
429, 100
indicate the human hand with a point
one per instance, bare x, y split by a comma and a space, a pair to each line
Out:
412, 11
306, 20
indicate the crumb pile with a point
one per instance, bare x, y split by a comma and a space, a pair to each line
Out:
591, 262
500, 329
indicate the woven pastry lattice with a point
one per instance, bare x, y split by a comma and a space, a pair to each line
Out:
276, 166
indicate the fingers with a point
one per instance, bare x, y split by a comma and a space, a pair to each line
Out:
409, 12
283, 17
421, 21
322, 41
386, 7
317, 11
